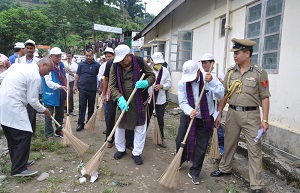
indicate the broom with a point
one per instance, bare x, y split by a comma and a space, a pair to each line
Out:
79, 146
93, 164
101, 114
157, 134
68, 126
214, 151
92, 121
170, 177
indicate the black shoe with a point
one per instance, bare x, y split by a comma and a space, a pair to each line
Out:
119, 154
257, 191
195, 179
29, 163
137, 159
80, 127
218, 173
26, 173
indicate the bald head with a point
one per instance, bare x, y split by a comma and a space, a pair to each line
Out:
45, 65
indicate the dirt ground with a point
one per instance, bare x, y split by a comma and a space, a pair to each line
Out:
121, 176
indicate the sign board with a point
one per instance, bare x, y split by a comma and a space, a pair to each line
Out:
107, 28
43, 46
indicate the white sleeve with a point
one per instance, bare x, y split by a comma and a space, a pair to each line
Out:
50, 83
216, 87
168, 83
33, 93
182, 99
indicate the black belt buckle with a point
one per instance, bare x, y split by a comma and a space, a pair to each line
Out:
239, 108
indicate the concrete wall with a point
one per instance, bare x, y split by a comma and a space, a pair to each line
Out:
203, 17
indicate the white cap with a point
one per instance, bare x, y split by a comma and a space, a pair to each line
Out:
189, 71
29, 42
19, 45
120, 52
55, 51
207, 57
158, 58
109, 50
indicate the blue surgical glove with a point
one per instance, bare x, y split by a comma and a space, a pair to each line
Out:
122, 104
142, 84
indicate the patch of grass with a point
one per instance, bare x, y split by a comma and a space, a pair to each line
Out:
37, 155
55, 179
5, 165
105, 171
24, 180
231, 189
49, 189
3, 188
110, 190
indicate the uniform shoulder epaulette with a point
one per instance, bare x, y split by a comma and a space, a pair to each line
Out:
258, 68
231, 68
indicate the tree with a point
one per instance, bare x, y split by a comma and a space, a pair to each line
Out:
19, 24
7, 4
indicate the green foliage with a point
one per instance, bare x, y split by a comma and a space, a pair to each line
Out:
19, 24
3, 188
23, 180
7, 4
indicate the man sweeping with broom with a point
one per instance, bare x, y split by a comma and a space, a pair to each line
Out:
189, 88
124, 77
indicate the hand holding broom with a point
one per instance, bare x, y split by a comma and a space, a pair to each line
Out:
170, 178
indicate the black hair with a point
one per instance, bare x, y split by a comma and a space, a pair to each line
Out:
248, 49
17, 49
69, 53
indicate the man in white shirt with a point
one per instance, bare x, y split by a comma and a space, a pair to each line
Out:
18, 89
73, 69
162, 83
189, 89
29, 59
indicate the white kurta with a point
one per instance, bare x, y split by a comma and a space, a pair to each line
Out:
23, 60
166, 82
20, 87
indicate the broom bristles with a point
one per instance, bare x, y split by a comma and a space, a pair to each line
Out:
90, 126
214, 151
157, 134
170, 177
68, 128
79, 146
101, 114
93, 164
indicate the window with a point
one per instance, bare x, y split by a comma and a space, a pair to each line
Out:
222, 26
264, 23
180, 49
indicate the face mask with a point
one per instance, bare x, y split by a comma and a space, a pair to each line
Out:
157, 67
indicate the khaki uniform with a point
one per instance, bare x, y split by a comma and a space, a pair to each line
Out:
242, 116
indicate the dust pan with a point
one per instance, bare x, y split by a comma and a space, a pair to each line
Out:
170, 177
93, 164
90, 126
214, 151
68, 126
79, 146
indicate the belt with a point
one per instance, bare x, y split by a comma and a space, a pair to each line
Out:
239, 108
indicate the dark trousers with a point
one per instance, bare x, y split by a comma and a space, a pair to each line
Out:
59, 117
19, 147
160, 112
106, 109
32, 117
71, 99
111, 119
86, 98
221, 136
202, 138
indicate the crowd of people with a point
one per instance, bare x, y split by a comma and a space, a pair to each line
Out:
26, 78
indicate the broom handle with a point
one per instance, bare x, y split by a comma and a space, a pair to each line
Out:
68, 87
55, 121
123, 112
197, 105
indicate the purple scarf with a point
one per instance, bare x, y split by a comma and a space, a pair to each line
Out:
156, 92
62, 80
205, 117
141, 116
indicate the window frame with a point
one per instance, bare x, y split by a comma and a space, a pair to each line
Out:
262, 34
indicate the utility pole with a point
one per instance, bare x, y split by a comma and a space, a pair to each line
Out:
145, 9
